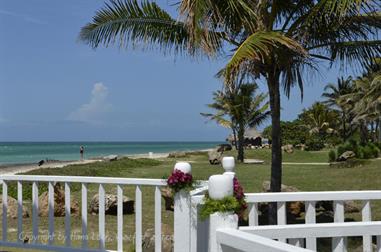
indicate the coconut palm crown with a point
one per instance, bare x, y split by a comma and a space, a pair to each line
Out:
274, 40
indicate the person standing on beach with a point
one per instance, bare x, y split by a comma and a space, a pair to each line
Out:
81, 151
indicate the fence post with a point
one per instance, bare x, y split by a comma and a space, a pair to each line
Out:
220, 220
182, 215
220, 186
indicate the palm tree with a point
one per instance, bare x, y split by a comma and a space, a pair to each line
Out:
365, 102
244, 110
276, 41
221, 116
333, 94
319, 119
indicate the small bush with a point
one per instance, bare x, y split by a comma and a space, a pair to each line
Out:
340, 150
367, 152
332, 156
314, 143
378, 144
375, 150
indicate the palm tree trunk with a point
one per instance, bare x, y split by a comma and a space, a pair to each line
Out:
241, 140
363, 132
276, 148
378, 129
235, 137
344, 129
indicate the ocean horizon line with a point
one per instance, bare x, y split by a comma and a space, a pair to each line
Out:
32, 152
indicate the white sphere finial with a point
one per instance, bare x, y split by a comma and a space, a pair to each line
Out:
184, 167
220, 186
228, 164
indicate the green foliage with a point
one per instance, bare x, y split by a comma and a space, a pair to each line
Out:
314, 127
366, 151
238, 109
315, 143
210, 206
293, 132
332, 156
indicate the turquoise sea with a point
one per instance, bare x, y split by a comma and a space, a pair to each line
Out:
32, 152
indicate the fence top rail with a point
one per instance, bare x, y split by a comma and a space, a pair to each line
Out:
312, 196
304, 196
90, 180
244, 241
320, 230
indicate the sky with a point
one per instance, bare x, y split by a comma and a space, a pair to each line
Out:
55, 88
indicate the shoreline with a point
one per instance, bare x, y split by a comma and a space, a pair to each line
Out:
12, 169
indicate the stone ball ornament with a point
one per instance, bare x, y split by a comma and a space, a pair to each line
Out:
220, 186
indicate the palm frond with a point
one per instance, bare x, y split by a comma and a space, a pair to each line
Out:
259, 46
361, 52
130, 23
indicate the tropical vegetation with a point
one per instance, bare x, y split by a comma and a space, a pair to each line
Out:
239, 108
276, 41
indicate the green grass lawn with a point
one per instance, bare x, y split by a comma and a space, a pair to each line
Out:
304, 177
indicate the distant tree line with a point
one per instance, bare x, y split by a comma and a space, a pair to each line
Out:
351, 110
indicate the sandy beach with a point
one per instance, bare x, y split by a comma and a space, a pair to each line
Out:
14, 169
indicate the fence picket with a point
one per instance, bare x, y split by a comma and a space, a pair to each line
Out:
157, 219
253, 215
84, 215
67, 215
366, 216
101, 215
310, 219
282, 215
51, 212
120, 217
35, 219
339, 243
5, 210
138, 219
19, 212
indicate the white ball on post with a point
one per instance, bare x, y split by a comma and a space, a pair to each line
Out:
220, 186
228, 163
184, 167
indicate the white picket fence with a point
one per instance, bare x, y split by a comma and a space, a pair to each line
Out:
296, 234
191, 233
84, 181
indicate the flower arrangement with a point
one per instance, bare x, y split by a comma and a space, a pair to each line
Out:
239, 195
210, 206
235, 203
179, 180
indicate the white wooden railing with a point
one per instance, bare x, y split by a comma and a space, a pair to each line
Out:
295, 234
236, 240
191, 234
84, 181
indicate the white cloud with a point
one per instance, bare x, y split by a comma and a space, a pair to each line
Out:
95, 109
26, 18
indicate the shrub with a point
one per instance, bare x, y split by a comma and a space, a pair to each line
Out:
367, 152
314, 143
375, 149
332, 156
340, 150
378, 144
